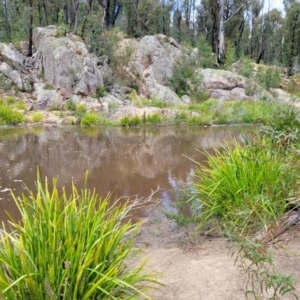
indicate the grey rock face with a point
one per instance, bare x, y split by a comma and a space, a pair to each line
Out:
11, 56
16, 77
151, 64
65, 63
45, 97
225, 85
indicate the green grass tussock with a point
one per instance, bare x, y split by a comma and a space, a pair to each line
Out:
245, 190
8, 116
244, 187
37, 117
70, 247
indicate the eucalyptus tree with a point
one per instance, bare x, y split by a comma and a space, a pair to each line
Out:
291, 46
5, 31
167, 7
112, 10
222, 20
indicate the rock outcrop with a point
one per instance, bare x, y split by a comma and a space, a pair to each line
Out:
62, 69
13, 67
65, 63
225, 85
151, 65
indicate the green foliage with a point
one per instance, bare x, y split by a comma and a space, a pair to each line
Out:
291, 44
231, 112
100, 91
20, 105
90, 119
263, 278
10, 100
246, 68
37, 117
181, 116
5, 83
206, 56
246, 189
285, 117
71, 105
130, 121
200, 120
185, 81
154, 118
48, 86
81, 108
243, 187
158, 103
8, 116
56, 107
73, 246
230, 54
268, 77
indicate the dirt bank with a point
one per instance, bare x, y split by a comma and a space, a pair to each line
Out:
199, 267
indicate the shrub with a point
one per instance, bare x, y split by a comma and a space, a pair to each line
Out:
70, 247
71, 105
246, 68
48, 86
90, 119
10, 100
10, 117
37, 117
20, 105
100, 91
185, 81
154, 118
206, 58
81, 108
130, 121
268, 77
243, 186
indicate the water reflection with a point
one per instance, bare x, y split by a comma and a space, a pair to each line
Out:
121, 161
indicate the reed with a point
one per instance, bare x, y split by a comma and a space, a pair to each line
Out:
243, 186
70, 247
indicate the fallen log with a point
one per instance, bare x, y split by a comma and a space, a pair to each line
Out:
276, 228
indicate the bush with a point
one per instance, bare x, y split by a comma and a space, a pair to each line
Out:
206, 58
20, 105
246, 68
100, 91
8, 116
70, 247
90, 119
130, 121
37, 117
185, 81
71, 105
268, 77
154, 118
243, 186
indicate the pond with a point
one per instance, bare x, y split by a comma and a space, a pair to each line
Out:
124, 162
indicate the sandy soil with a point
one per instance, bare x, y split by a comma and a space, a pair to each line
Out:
199, 267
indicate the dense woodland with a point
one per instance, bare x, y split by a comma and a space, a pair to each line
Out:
231, 29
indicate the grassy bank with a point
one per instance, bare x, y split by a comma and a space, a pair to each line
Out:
209, 112
247, 191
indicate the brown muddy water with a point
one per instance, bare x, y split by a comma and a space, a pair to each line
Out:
124, 162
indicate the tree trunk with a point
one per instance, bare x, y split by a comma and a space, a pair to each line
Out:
221, 41
89, 4
30, 42
75, 5
46, 12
